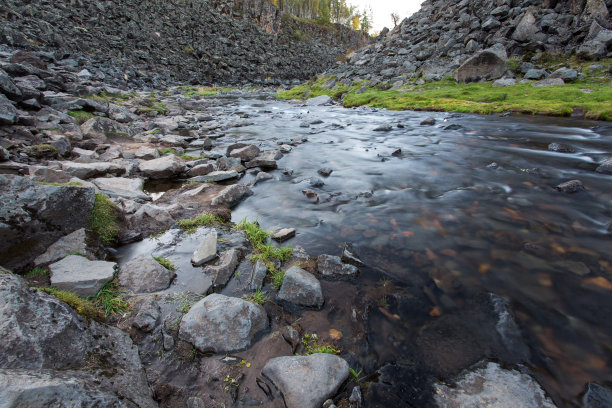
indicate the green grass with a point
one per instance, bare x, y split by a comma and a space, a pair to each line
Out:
168, 150
205, 219
69, 184
84, 307
312, 345
38, 271
110, 299
190, 91
165, 262
43, 150
103, 219
259, 297
81, 116
116, 99
188, 157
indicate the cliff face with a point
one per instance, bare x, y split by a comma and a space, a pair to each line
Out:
444, 33
182, 40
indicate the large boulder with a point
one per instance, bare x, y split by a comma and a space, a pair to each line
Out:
222, 324
307, 381
144, 274
165, 167
301, 288
526, 28
79, 275
230, 196
486, 65
81, 241
100, 128
38, 332
129, 188
34, 216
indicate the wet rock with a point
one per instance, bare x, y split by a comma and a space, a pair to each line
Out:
572, 186
504, 82
88, 170
307, 381
283, 234
597, 396
214, 176
244, 153
383, 128
486, 65
8, 112
262, 176
291, 336
355, 398
301, 288
200, 170
560, 148
325, 171
428, 122
144, 274
232, 195
332, 267
79, 275
146, 153
221, 273
100, 128
266, 160
129, 188
207, 249
165, 167
349, 255
549, 82
319, 100
147, 219
77, 242
148, 315
492, 386
605, 167
34, 216
222, 324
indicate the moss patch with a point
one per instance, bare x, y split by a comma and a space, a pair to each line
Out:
83, 306
205, 219
103, 219
165, 262
81, 116
43, 150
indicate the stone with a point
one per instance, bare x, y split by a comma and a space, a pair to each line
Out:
307, 381
24, 57
301, 288
223, 271
148, 315
146, 153
283, 234
486, 65
428, 122
349, 255
121, 114
492, 386
214, 176
504, 82
526, 28
144, 274
88, 170
79, 275
549, 82
77, 242
266, 160
167, 166
355, 398
572, 186
535, 74
230, 196
316, 182
200, 170
49, 175
34, 216
8, 112
332, 267
566, 74
560, 148
319, 100
207, 249
383, 128
222, 324
325, 171
4, 154
129, 188
605, 167
262, 176
100, 128
8, 87
597, 396
245, 153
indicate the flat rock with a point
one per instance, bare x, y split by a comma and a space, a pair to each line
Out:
605, 167
230, 196
301, 288
201, 170
79, 275
129, 188
78, 242
100, 128
223, 271
332, 267
146, 153
245, 153
549, 82
215, 176
283, 234
144, 274
307, 381
222, 324
88, 170
165, 167
49, 175
572, 186
319, 100
207, 249
504, 82
266, 160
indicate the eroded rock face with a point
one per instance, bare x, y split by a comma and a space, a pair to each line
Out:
307, 381
222, 324
144, 274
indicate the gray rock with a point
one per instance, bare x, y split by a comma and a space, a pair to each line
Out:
49, 175
504, 82
566, 74
332, 267
301, 288
121, 114
325, 171
491, 24
383, 128
605, 167
148, 315
266, 160
486, 65
526, 28
572, 186
549, 82
8, 87
307, 381
84, 155
245, 153
319, 100
535, 74
316, 182
89, 170
560, 148
283, 234
355, 398
100, 128
4, 154
492, 386
34, 216
230, 196
215, 176
207, 249
167, 166
223, 271
77, 242
200, 170
144, 274
428, 122
79, 275
146, 153
129, 188
597, 396
8, 112
262, 176
222, 324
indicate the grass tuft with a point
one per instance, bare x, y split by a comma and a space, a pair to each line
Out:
110, 299
259, 297
81, 116
165, 262
43, 150
69, 184
83, 307
103, 219
312, 345
205, 219
37, 271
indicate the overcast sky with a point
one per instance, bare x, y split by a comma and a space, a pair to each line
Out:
382, 10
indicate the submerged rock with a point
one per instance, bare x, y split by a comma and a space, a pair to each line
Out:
79, 275
207, 249
605, 167
332, 266
572, 186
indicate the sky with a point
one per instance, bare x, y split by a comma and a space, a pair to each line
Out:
382, 10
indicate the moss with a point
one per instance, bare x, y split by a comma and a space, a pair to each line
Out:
312, 345
43, 150
165, 262
83, 306
38, 271
69, 184
81, 116
204, 219
103, 219
116, 99
190, 91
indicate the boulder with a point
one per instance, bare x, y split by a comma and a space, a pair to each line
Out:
486, 65
526, 28
100, 128
230, 196
8, 87
148, 315
605, 167
245, 153
34, 216
222, 324
597, 396
549, 82
283, 234
504, 82
129, 188
207, 249
79, 275
200, 170
332, 267
566, 74
146, 153
8, 112
144, 274
89, 170
266, 160
165, 167
319, 100
121, 114
301, 288
223, 271
535, 74
81, 241
307, 381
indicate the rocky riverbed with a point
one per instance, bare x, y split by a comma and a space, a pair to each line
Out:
436, 260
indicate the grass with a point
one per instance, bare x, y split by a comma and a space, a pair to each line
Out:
190, 91
356, 375
259, 297
166, 151
185, 301
69, 184
81, 116
204, 219
103, 219
116, 99
43, 150
83, 306
38, 271
110, 299
312, 345
165, 262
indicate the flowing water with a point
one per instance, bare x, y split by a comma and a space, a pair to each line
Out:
448, 218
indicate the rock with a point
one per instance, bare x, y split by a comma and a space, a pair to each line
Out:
78, 242
144, 274
222, 324
24, 57
301, 288
605, 167
43, 335
486, 65
207, 249
492, 386
316, 182
34, 216
200, 170
244, 153
549, 82
8, 112
572, 186
79, 275
332, 267
355, 398
49, 175
560, 148
129, 188
167, 166
266, 160
349, 255
121, 114
148, 315
535, 74
526, 28
597, 396
8, 87
319, 100
504, 82
215, 176
383, 128
88, 170
230, 196
100, 128
428, 121
146, 153
307, 381
262, 176
283, 234
325, 171
566, 74
4, 154
221, 273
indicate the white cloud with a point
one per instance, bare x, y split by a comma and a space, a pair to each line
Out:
382, 10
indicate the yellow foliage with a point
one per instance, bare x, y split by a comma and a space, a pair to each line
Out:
355, 22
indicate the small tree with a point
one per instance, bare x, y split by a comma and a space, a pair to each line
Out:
355, 22
366, 20
395, 17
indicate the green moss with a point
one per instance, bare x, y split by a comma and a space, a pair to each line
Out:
43, 150
81, 116
205, 219
166, 151
83, 306
69, 184
38, 271
312, 345
103, 219
165, 262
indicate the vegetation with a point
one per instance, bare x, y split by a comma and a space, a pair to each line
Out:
83, 306
312, 345
103, 219
185, 300
204, 219
259, 297
69, 184
322, 11
38, 271
191, 91
81, 116
165, 262
43, 150
356, 375
116, 99
110, 299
